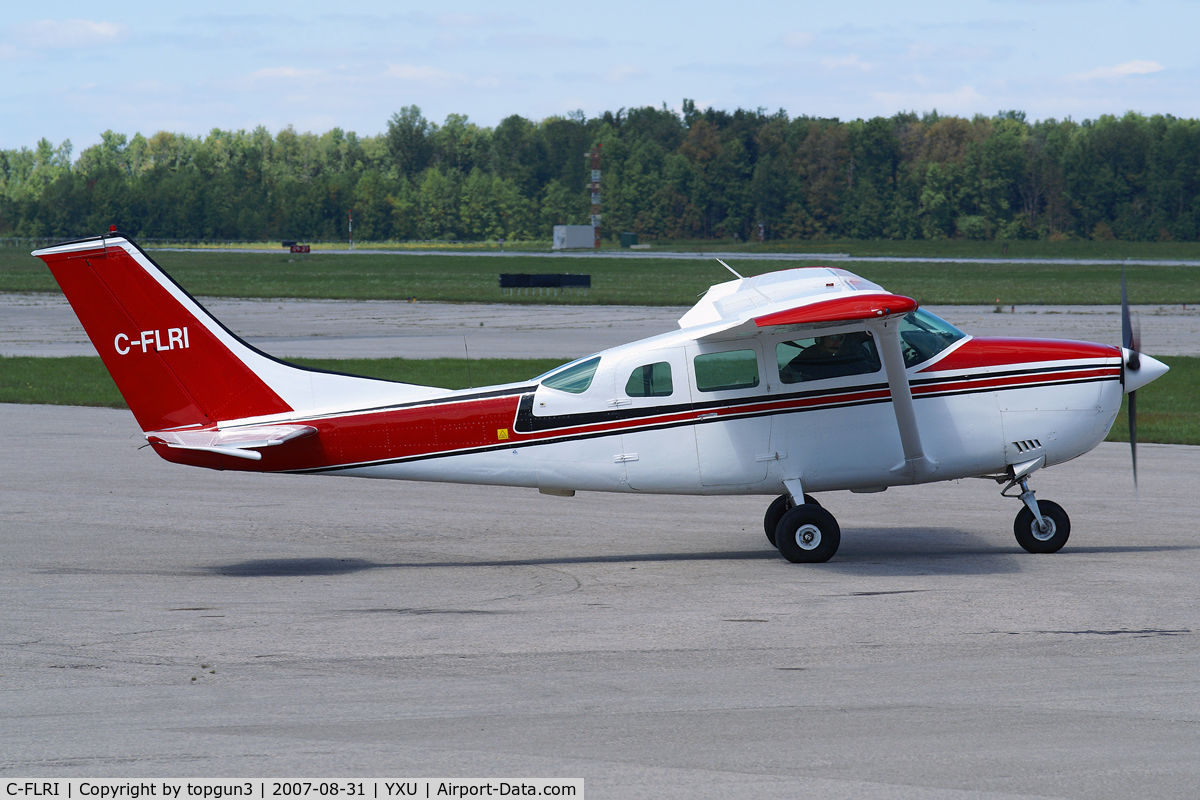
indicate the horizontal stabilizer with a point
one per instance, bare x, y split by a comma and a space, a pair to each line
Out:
237, 442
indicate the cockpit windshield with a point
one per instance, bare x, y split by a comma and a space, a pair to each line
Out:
923, 335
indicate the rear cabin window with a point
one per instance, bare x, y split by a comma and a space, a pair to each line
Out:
576, 379
831, 356
650, 380
732, 369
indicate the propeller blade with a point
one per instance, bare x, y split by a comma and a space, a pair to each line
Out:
1131, 337
1130, 333
1126, 328
1135, 360
1133, 434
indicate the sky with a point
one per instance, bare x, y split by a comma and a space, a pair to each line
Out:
72, 70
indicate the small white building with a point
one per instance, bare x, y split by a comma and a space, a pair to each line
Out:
574, 237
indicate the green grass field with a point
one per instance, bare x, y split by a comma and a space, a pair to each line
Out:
649, 281
1167, 409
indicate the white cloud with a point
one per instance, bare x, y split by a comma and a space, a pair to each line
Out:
416, 73
847, 62
54, 34
542, 41
920, 51
964, 100
953, 53
797, 39
460, 20
1119, 71
623, 72
278, 79
283, 72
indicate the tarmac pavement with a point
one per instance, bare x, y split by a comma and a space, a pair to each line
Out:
161, 621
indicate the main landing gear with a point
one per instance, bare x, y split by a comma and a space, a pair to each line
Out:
804, 534
1041, 526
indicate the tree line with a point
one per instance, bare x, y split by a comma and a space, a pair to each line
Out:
695, 174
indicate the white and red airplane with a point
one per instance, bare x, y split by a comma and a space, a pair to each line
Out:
804, 380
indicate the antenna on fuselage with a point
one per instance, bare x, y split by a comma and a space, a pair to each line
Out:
467, 350
731, 269
735, 272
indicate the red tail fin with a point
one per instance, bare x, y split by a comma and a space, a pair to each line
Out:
175, 365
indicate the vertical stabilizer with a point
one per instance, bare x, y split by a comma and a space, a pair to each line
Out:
174, 364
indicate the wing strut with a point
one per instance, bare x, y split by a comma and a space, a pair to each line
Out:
916, 463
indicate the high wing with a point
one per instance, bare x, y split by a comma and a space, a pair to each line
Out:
804, 296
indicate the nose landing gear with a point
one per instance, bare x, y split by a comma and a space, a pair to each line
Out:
1041, 526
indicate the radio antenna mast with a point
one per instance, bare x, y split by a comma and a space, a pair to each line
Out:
731, 269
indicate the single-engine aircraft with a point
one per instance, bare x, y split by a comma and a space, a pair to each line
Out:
789, 383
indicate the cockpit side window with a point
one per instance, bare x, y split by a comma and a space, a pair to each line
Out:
576, 379
650, 380
924, 335
830, 356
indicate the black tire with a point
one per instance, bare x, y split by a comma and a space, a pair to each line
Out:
808, 534
780, 506
1034, 539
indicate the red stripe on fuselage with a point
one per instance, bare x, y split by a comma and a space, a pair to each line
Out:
1018, 381
451, 427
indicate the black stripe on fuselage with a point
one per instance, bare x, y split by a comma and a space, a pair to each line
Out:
619, 415
1011, 373
527, 422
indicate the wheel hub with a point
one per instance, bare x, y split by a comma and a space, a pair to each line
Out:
808, 537
1043, 534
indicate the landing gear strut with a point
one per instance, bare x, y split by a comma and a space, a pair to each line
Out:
1041, 526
